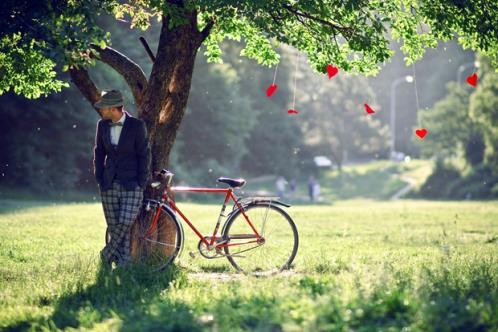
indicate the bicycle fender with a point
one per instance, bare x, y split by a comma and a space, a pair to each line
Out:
256, 201
273, 202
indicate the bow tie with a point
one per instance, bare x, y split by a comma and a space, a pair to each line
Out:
113, 124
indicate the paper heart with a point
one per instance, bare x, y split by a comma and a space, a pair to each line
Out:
271, 90
472, 79
291, 111
421, 132
332, 71
368, 109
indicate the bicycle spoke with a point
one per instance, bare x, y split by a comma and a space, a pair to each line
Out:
161, 243
155, 244
280, 239
264, 222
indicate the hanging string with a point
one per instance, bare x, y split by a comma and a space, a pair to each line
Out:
275, 74
416, 91
295, 80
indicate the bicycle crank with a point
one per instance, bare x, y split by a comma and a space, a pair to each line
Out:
211, 251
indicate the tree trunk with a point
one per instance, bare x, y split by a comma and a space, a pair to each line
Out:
165, 99
163, 114
336, 156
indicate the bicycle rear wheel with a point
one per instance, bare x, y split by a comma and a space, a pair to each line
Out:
278, 230
155, 246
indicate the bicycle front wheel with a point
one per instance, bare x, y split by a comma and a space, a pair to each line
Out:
155, 244
277, 247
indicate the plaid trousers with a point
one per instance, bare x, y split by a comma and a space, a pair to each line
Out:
121, 207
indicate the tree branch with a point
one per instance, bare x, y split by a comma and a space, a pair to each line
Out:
207, 29
345, 31
130, 70
84, 83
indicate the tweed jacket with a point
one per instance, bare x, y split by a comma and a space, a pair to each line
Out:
129, 161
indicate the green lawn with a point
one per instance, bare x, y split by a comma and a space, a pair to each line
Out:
362, 265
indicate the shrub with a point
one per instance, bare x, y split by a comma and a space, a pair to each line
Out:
477, 185
436, 185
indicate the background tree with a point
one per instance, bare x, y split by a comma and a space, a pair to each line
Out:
48, 149
351, 35
218, 120
275, 145
464, 124
454, 132
484, 109
438, 67
335, 121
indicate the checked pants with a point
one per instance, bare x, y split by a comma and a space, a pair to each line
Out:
121, 207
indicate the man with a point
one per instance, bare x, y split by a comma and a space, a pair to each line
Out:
121, 166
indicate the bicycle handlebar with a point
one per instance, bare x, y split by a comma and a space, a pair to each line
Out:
165, 176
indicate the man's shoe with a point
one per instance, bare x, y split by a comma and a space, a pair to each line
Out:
123, 263
104, 261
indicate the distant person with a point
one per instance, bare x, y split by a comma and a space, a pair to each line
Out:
280, 184
316, 191
311, 187
292, 187
121, 166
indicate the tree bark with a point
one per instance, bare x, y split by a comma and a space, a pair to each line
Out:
131, 71
336, 157
165, 99
82, 80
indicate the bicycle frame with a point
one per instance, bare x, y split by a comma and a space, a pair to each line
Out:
228, 195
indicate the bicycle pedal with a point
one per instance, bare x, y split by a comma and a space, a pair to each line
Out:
192, 254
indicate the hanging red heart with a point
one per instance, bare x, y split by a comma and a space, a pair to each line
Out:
421, 132
368, 109
472, 79
291, 111
271, 90
332, 71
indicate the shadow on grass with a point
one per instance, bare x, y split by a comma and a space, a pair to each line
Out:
458, 293
217, 269
123, 299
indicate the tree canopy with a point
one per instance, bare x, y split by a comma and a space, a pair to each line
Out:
39, 38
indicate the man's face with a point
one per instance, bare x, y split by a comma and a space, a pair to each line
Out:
105, 113
108, 112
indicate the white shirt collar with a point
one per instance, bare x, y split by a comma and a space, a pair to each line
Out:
122, 120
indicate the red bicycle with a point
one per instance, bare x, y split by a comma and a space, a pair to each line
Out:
258, 236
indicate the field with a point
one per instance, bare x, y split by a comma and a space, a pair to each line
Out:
378, 180
362, 265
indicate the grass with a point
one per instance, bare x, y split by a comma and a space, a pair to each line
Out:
362, 265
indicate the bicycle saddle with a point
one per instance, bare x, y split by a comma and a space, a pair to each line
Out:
234, 183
